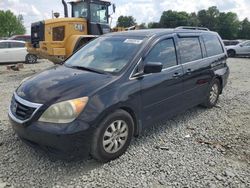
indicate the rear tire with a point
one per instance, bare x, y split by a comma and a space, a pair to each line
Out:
113, 136
31, 59
231, 53
213, 94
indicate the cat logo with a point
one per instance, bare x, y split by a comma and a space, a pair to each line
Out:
79, 27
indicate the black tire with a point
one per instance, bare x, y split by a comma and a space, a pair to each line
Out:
211, 101
231, 53
31, 59
98, 150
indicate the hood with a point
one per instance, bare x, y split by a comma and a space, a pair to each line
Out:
231, 47
61, 83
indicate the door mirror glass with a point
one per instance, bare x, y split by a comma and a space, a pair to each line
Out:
241, 45
152, 67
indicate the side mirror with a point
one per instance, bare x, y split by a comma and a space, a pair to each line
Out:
153, 67
114, 8
241, 45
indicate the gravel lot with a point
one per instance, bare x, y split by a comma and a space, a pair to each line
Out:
199, 148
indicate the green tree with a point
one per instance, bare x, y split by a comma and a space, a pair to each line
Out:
228, 25
244, 32
172, 19
11, 24
154, 25
126, 21
193, 20
208, 18
142, 26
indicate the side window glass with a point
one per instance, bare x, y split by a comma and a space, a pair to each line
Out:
17, 45
213, 45
163, 52
247, 44
3, 45
190, 49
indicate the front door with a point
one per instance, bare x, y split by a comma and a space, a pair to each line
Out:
161, 93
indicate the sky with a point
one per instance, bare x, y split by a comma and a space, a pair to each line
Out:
142, 10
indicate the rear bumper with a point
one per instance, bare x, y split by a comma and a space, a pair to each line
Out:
62, 142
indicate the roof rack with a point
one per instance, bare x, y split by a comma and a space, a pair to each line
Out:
193, 28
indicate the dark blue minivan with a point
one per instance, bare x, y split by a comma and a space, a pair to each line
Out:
117, 85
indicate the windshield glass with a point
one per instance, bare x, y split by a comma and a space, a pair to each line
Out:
80, 10
99, 13
109, 54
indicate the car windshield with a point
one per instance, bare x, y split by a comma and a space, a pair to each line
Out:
108, 54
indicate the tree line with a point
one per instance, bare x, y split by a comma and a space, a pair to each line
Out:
11, 24
227, 24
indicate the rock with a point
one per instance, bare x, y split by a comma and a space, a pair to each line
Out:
3, 185
218, 177
229, 173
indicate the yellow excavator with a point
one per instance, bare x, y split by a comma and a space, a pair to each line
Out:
56, 39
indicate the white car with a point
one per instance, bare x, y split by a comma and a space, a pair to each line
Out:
12, 51
239, 49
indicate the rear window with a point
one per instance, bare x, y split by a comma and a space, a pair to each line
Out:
213, 45
190, 49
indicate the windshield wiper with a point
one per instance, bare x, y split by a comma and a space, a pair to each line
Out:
88, 69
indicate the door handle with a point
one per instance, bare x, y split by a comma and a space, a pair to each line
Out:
177, 75
189, 71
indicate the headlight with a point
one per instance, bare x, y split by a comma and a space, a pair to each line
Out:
64, 112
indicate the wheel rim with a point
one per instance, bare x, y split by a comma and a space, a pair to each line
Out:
115, 136
214, 93
31, 58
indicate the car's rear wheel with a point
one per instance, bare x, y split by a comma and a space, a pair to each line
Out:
112, 138
213, 94
31, 59
231, 53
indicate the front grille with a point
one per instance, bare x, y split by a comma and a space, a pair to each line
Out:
21, 111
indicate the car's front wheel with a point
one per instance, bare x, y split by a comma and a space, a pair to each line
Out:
113, 136
213, 94
31, 59
231, 53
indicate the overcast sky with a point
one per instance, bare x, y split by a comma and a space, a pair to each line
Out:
143, 10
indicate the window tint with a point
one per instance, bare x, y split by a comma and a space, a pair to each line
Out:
98, 13
17, 45
3, 45
213, 45
163, 52
190, 49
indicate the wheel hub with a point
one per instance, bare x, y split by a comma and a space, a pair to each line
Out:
115, 136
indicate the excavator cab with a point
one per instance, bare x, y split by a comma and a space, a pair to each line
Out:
95, 12
58, 38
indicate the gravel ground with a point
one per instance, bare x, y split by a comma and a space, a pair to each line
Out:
199, 148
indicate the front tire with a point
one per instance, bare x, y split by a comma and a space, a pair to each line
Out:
213, 94
113, 136
31, 59
231, 53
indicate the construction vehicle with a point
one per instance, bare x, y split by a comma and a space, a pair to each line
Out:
58, 38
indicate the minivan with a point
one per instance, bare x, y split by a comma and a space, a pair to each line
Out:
116, 86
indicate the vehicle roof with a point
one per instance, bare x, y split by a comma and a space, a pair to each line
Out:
13, 41
154, 32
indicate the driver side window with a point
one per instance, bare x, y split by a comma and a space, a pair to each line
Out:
163, 52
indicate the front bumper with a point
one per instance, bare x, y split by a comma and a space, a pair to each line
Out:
63, 141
